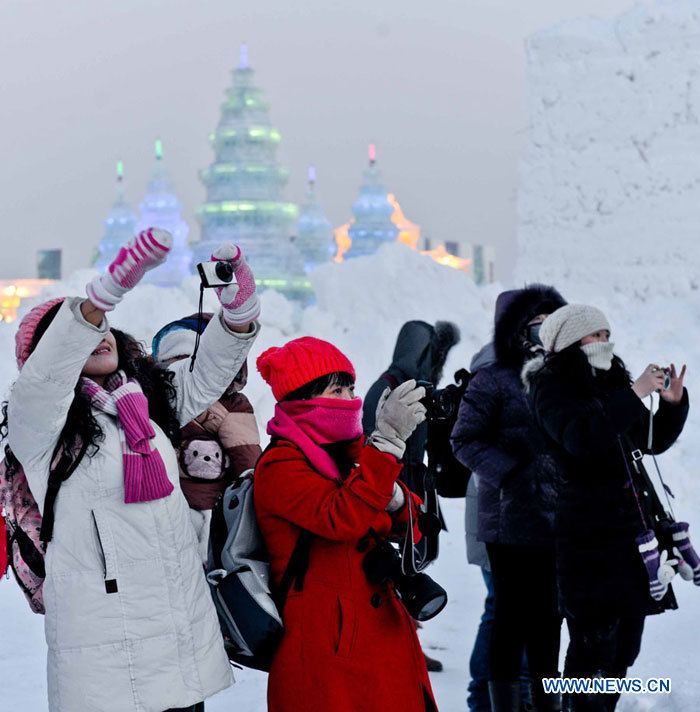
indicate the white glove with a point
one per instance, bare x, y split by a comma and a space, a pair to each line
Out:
399, 412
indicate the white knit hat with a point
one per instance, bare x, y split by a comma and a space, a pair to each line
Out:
570, 324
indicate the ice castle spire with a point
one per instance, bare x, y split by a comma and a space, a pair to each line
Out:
372, 226
119, 225
314, 230
245, 189
161, 208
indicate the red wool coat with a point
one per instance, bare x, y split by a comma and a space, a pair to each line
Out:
348, 646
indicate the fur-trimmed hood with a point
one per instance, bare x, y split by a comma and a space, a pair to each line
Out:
421, 349
514, 309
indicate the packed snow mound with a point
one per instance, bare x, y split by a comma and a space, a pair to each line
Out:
609, 194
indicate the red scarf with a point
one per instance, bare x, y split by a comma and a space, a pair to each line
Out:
315, 422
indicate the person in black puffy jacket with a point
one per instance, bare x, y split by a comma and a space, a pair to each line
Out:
496, 436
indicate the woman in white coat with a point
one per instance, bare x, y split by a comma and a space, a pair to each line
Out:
130, 623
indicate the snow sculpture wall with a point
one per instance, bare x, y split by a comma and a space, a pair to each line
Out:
610, 182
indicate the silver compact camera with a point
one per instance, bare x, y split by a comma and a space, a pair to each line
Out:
667, 376
217, 274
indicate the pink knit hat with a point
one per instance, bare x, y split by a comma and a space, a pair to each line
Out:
27, 329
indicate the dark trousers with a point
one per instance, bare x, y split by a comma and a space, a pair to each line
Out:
526, 615
601, 648
478, 699
199, 707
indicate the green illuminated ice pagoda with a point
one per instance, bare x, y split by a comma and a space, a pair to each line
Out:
245, 191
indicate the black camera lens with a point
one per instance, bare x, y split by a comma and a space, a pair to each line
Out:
423, 597
224, 271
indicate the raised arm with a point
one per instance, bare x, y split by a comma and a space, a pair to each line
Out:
44, 391
221, 354
290, 489
225, 342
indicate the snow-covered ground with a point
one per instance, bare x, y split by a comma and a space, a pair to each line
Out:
361, 305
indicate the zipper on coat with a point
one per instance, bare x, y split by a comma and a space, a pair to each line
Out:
110, 584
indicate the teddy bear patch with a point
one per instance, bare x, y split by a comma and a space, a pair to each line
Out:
203, 460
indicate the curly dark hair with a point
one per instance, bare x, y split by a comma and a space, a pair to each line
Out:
81, 426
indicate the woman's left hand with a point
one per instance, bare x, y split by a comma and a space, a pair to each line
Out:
674, 393
240, 303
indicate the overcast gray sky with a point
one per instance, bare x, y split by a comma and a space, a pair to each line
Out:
440, 87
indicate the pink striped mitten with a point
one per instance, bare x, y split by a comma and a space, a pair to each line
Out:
145, 251
240, 303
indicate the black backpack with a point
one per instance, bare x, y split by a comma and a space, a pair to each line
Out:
450, 474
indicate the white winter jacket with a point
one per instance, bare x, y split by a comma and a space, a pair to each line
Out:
155, 642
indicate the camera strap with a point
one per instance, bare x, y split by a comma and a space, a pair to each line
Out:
200, 320
650, 447
415, 558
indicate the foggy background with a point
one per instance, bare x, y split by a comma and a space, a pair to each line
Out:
440, 87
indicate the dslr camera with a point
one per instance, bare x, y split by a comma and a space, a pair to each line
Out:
440, 403
422, 597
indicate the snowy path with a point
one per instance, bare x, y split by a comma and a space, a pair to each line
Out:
670, 645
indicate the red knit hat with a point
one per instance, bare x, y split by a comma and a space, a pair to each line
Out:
27, 329
286, 368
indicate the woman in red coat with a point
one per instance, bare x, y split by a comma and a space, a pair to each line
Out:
349, 646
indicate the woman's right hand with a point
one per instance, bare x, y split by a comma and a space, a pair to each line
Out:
143, 252
651, 380
399, 413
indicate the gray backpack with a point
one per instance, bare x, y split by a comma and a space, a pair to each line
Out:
239, 577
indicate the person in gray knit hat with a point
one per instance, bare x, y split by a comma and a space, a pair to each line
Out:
609, 564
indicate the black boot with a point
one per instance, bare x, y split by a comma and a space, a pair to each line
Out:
432, 664
543, 702
505, 696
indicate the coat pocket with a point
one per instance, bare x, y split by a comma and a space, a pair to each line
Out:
347, 628
105, 545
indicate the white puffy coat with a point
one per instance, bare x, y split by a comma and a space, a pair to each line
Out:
155, 643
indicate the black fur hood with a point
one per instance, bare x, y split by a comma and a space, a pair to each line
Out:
514, 309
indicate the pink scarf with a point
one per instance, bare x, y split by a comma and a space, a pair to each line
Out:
145, 476
318, 421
